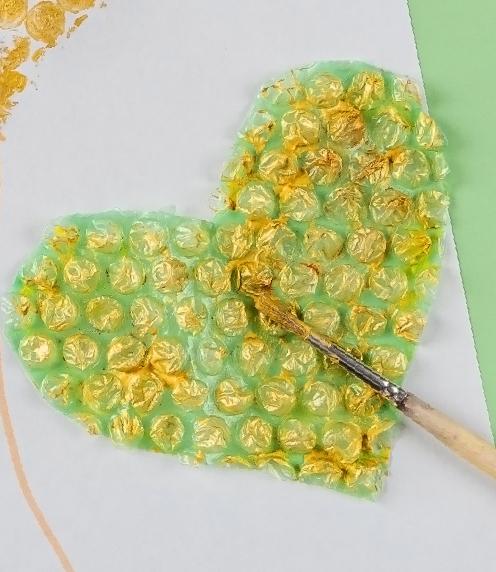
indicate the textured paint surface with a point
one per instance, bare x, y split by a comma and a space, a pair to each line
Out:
28, 30
335, 198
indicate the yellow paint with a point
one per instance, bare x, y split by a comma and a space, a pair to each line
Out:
33, 32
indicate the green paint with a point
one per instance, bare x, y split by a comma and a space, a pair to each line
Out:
455, 42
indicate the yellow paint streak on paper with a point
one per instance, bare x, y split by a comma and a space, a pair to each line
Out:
31, 32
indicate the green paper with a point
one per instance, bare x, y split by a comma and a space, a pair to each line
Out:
455, 42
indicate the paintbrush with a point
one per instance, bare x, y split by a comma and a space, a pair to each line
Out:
460, 440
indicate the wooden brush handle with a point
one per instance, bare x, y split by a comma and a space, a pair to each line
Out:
463, 442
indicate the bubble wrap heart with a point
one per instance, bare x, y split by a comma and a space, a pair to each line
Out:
134, 323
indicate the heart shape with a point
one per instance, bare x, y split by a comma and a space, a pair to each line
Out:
134, 323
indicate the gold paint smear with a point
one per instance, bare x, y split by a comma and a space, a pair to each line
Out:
30, 32
76, 5
77, 22
45, 22
12, 13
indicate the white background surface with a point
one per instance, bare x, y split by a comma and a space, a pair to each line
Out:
138, 111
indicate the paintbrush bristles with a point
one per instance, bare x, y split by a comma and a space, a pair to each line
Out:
280, 315
463, 442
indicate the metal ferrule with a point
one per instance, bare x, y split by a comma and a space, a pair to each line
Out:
392, 392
